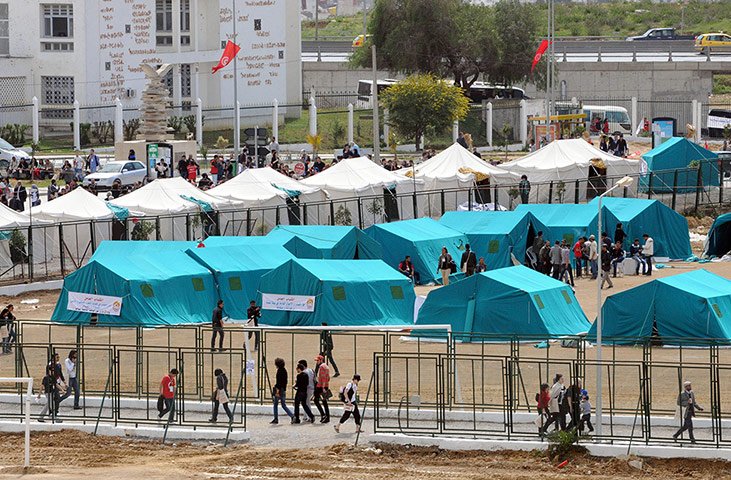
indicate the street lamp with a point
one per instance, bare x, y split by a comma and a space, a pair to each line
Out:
623, 182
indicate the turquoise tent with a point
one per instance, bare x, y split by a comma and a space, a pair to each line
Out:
244, 242
422, 239
561, 221
668, 228
506, 302
493, 235
694, 304
719, 236
116, 248
326, 242
346, 292
164, 288
678, 153
238, 271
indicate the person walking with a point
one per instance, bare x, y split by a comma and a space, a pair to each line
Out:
536, 250
311, 382
217, 322
92, 161
648, 250
51, 386
301, 387
7, 331
524, 189
619, 234
322, 388
349, 398
279, 392
554, 405
220, 396
445, 265
606, 265
556, 259
544, 258
468, 262
567, 274
688, 406
254, 314
543, 398
593, 256
70, 364
578, 255
167, 392
326, 347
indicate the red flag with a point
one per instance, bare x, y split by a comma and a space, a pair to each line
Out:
539, 53
228, 54
706, 144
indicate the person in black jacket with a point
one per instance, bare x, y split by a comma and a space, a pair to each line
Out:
326, 348
51, 385
280, 389
220, 396
300, 396
469, 261
217, 322
253, 313
6, 327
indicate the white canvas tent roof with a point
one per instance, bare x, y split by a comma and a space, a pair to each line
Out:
10, 219
355, 177
77, 205
258, 187
164, 196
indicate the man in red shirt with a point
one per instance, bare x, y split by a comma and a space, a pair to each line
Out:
578, 254
322, 385
192, 170
167, 391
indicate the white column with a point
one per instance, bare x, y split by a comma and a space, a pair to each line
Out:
77, 121
177, 99
523, 123
635, 120
199, 122
694, 121
313, 117
350, 123
35, 120
699, 130
488, 121
386, 128
455, 131
237, 126
118, 121
275, 119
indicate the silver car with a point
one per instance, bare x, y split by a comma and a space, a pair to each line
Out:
128, 172
7, 152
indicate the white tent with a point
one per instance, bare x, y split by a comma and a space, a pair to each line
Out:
570, 161
378, 189
11, 220
457, 170
177, 198
268, 195
76, 206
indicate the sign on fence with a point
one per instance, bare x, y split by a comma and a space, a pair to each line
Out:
292, 303
90, 303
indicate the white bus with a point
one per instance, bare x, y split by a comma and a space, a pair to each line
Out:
616, 118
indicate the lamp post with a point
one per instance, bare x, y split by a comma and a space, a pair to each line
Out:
623, 182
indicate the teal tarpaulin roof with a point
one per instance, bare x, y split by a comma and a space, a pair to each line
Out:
678, 153
505, 302
493, 235
668, 228
238, 272
121, 248
694, 304
719, 236
562, 221
325, 242
347, 292
204, 205
120, 213
422, 239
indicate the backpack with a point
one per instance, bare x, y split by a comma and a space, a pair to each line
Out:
47, 383
341, 394
538, 397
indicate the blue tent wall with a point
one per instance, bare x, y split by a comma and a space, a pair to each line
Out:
422, 239
238, 271
719, 236
667, 228
326, 242
562, 221
677, 153
493, 235
374, 293
507, 301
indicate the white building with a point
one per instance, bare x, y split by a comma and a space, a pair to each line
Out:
91, 50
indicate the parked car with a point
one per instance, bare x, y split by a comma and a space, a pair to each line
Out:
7, 152
660, 34
724, 160
715, 42
127, 172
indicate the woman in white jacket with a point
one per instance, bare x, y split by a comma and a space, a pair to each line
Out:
554, 405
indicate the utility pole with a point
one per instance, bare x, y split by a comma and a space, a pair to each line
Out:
376, 127
237, 132
365, 22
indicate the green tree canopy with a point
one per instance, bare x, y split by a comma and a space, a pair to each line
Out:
421, 102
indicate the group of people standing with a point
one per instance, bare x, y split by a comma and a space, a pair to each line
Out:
56, 388
557, 402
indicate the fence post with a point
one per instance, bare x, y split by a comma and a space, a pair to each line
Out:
720, 184
576, 193
699, 187
695, 119
237, 128
488, 122
60, 248
360, 214
386, 128
77, 121
635, 120
675, 187
599, 55
35, 120
707, 51
332, 213
313, 117
442, 200
455, 131
275, 118
649, 186
469, 200
634, 53
30, 253
350, 123
118, 121
199, 122
523, 123
670, 52
550, 192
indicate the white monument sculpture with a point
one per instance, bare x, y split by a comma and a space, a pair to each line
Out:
154, 118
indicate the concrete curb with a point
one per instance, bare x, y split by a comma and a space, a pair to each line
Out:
599, 450
14, 290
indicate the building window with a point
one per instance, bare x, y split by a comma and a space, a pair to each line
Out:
57, 91
167, 80
164, 21
185, 80
4, 30
185, 22
58, 21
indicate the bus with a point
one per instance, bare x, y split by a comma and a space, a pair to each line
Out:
617, 119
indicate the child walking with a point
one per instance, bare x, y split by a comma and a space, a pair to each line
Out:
585, 414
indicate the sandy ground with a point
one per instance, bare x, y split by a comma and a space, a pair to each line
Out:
84, 456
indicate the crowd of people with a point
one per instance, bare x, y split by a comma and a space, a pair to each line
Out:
563, 407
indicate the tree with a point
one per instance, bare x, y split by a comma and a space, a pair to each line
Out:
421, 102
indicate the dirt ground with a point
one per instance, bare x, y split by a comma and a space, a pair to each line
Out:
67, 453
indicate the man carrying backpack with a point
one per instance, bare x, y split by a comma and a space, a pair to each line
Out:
349, 398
